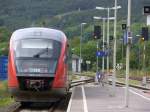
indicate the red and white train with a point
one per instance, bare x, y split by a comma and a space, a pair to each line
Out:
38, 65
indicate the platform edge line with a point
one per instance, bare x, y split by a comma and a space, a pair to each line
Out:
139, 95
84, 99
70, 102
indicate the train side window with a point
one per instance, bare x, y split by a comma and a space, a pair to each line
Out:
66, 57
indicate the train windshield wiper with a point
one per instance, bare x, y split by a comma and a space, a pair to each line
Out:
43, 51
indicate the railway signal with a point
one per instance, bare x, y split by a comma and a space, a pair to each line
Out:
146, 10
97, 32
111, 37
144, 33
124, 26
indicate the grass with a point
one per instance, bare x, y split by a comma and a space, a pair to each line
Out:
5, 101
89, 74
77, 76
121, 76
5, 98
134, 74
131, 82
74, 77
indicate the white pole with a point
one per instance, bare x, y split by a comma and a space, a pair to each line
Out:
81, 49
108, 40
114, 53
128, 55
97, 58
103, 44
144, 56
81, 46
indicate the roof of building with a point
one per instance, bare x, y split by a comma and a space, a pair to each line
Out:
75, 56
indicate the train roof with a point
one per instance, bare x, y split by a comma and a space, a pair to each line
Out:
38, 32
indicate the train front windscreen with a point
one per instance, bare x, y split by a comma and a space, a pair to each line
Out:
36, 57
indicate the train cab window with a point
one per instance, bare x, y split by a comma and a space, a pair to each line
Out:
41, 47
36, 55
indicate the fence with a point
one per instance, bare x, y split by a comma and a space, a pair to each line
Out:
3, 67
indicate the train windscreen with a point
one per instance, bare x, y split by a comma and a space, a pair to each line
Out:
36, 56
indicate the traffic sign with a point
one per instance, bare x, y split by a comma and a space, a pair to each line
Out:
125, 37
148, 19
119, 66
88, 62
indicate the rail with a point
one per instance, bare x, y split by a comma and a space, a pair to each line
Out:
61, 106
80, 82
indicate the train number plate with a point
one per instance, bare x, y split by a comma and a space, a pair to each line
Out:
34, 83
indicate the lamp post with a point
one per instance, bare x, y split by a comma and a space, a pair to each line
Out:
139, 51
128, 54
104, 19
103, 59
82, 24
108, 44
97, 46
108, 40
114, 52
113, 18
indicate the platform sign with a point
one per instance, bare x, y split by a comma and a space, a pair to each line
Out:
101, 53
125, 36
88, 62
148, 20
3, 67
119, 66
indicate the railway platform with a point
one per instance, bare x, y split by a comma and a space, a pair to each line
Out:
97, 98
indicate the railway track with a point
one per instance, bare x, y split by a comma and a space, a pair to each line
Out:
130, 85
59, 106
11, 108
90, 80
81, 82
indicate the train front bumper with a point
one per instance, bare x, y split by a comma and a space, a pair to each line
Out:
51, 95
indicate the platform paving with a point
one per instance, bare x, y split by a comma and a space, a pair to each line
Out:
77, 102
100, 99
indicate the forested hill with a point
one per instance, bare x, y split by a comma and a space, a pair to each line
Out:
23, 13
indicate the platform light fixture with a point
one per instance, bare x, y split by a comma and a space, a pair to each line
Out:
114, 55
82, 24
